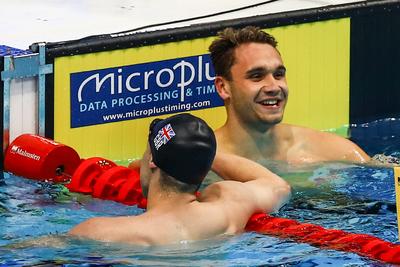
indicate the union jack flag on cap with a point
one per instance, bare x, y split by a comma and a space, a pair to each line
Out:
164, 135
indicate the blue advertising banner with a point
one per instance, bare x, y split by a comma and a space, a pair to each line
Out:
142, 90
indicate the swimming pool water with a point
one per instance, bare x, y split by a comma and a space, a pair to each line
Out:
354, 198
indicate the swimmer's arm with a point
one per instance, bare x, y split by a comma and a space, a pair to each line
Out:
268, 190
353, 152
384, 161
124, 229
56, 241
97, 228
336, 148
237, 168
86, 229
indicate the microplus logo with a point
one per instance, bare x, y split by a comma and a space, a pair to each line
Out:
155, 86
17, 150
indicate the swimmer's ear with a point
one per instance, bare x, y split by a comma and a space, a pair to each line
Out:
152, 165
222, 87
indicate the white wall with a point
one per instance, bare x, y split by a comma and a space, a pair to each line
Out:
23, 107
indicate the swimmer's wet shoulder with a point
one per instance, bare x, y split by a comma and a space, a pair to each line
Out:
116, 229
289, 143
318, 146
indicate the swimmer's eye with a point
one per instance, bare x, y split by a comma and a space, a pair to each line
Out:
256, 76
280, 73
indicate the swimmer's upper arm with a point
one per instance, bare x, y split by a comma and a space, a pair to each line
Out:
88, 228
248, 197
332, 147
99, 228
117, 229
267, 198
253, 184
357, 155
347, 150
234, 204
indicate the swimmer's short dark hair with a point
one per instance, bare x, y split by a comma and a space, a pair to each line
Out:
222, 48
169, 183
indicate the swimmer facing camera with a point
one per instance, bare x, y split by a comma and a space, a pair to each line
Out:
181, 150
251, 79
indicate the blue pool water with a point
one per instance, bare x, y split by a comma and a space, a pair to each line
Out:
358, 199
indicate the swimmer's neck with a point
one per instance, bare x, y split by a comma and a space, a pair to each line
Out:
159, 199
247, 141
257, 130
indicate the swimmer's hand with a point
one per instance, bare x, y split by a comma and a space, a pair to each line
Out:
381, 160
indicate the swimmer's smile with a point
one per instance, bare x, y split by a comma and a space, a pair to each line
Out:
271, 103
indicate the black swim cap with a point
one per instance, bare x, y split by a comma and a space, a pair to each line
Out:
183, 146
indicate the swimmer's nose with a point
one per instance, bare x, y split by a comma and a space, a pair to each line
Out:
272, 91
271, 84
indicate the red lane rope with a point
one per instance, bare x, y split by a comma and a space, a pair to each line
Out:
362, 244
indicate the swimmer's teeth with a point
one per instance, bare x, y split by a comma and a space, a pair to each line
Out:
270, 102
